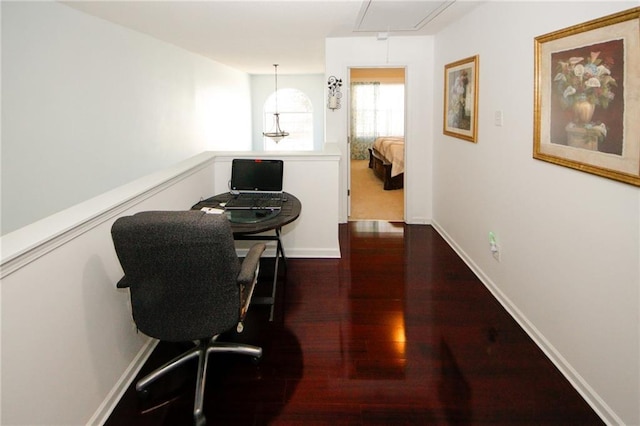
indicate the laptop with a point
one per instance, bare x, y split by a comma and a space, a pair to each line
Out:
255, 184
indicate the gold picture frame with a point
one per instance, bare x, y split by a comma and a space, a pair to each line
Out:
461, 99
586, 104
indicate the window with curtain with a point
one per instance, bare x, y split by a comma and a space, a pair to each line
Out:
377, 109
296, 118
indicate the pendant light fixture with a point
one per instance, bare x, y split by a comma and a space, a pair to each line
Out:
276, 134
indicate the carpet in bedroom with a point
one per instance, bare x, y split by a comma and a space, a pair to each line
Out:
369, 201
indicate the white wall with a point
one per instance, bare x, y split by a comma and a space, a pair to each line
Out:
416, 54
570, 241
88, 105
262, 86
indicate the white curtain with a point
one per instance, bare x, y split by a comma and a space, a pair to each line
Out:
377, 109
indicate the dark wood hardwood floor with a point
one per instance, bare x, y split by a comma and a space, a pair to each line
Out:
397, 331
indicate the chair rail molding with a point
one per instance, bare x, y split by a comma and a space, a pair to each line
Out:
23, 246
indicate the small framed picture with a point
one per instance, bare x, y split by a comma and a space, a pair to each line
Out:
461, 99
586, 103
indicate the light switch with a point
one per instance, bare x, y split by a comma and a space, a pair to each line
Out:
498, 119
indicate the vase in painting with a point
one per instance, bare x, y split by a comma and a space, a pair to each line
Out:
583, 111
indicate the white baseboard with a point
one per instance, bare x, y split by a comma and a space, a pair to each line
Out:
111, 401
577, 381
314, 253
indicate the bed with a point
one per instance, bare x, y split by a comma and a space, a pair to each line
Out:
386, 158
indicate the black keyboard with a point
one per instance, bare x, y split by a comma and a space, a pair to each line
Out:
255, 202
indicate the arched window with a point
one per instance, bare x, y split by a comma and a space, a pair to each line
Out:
296, 118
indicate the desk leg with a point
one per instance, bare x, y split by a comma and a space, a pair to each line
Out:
280, 250
273, 288
274, 285
276, 268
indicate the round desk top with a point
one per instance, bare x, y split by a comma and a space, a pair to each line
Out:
289, 212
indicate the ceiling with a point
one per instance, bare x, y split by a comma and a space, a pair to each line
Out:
252, 35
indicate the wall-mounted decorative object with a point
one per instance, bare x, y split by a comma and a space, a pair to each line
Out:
333, 98
586, 106
276, 134
461, 99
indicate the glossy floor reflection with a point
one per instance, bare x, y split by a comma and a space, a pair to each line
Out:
398, 331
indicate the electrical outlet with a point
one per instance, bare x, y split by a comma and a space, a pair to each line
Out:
496, 253
494, 247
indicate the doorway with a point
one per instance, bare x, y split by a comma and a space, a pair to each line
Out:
376, 112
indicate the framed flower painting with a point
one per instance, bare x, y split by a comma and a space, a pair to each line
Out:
461, 99
586, 106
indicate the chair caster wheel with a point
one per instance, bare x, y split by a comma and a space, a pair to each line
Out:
200, 421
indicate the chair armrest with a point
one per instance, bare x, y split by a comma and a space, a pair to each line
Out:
250, 264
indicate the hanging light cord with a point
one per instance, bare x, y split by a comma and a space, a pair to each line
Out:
276, 67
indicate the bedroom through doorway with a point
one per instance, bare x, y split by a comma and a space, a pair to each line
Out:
376, 134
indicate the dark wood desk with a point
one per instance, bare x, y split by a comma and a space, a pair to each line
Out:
260, 230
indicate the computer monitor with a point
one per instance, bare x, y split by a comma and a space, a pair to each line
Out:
256, 175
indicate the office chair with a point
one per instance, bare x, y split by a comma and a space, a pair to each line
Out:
186, 284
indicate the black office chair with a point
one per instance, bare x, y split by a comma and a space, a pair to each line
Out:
186, 284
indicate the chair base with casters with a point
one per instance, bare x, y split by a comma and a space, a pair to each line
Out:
201, 351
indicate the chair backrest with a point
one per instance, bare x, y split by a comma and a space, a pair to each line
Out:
181, 268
